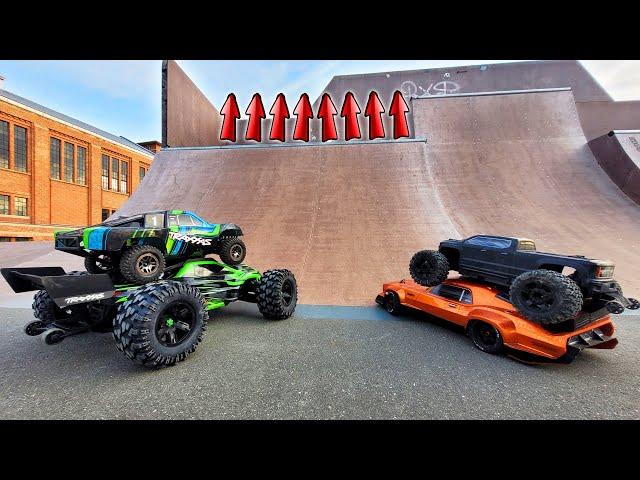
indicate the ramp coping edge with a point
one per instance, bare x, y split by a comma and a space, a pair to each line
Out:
292, 145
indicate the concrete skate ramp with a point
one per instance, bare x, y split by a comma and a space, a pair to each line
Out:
520, 165
343, 217
619, 155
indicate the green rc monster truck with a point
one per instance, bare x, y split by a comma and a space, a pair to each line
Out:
138, 249
156, 324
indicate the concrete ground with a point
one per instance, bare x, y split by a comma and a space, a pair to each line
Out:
323, 363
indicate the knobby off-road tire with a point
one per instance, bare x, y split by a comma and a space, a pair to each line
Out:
142, 264
44, 307
546, 297
232, 250
140, 321
429, 268
277, 294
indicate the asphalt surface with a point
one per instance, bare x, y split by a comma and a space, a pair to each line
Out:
309, 367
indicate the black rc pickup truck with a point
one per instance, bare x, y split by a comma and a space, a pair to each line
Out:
544, 287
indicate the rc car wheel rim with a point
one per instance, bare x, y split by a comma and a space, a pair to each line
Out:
147, 264
236, 252
175, 324
103, 263
486, 335
287, 292
538, 296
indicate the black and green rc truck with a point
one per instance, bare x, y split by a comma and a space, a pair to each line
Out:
137, 249
157, 324
544, 287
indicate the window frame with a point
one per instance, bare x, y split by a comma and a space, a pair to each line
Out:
8, 167
85, 164
8, 203
26, 148
73, 162
460, 299
59, 162
124, 176
26, 206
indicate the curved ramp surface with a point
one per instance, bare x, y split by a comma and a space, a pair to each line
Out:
347, 217
619, 155
520, 165
343, 217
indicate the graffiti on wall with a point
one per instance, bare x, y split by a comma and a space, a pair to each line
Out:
444, 87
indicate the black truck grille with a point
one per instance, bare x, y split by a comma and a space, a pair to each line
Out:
67, 242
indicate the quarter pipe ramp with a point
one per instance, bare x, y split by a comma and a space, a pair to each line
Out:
346, 217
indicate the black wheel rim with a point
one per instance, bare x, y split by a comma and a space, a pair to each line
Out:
538, 296
147, 264
486, 335
236, 252
104, 263
287, 292
175, 323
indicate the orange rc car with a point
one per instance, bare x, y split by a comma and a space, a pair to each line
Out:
493, 323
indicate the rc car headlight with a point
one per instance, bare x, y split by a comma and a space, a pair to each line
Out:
605, 271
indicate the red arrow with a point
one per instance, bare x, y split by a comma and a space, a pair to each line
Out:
303, 113
280, 111
350, 111
398, 111
326, 113
374, 111
255, 110
231, 114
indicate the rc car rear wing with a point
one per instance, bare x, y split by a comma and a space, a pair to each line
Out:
64, 289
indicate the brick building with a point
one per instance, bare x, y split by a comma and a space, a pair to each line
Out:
56, 171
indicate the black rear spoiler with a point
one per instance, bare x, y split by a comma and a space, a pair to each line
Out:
64, 289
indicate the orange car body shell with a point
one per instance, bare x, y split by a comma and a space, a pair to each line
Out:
517, 332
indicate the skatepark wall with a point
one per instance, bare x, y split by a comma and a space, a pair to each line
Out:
188, 118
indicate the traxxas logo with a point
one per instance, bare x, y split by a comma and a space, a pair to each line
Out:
84, 298
190, 239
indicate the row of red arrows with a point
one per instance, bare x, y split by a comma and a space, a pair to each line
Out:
303, 112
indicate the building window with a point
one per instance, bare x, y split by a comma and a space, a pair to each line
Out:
105, 172
5, 239
68, 162
105, 214
4, 204
114, 174
23, 239
143, 172
124, 176
20, 205
19, 148
4, 144
54, 159
81, 165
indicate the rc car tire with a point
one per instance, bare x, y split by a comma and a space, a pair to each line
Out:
429, 268
44, 307
486, 337
98, 264
392, 303
35, 328
546, 297
142, 264
277, 294
232, 250
141, 327
53, 336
